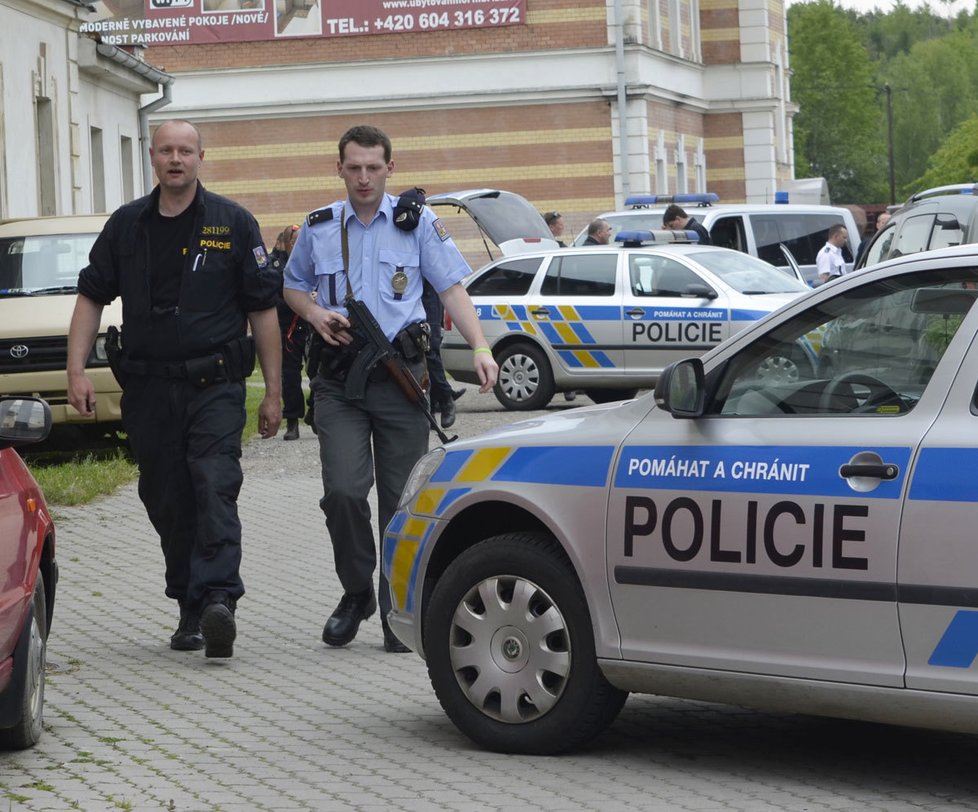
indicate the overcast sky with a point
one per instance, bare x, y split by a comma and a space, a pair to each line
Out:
885, 5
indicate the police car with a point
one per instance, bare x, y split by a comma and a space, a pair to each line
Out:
801, 545
758, 229
608, 319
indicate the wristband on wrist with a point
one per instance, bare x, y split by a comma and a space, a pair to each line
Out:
482, 349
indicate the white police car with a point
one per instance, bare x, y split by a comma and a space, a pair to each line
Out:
758, 229
803, 545
608, 319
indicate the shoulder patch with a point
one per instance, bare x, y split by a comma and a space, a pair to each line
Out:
260, 256
319, 215
440, 229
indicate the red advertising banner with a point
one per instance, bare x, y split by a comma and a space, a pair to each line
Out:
190, 22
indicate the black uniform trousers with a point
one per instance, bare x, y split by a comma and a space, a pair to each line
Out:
441, 389
293, 360
383, 436
187, 444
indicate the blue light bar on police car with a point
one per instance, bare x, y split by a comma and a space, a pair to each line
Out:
631, 239
699, 198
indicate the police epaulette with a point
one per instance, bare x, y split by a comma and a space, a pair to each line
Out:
319, 216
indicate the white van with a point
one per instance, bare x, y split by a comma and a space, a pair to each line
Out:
756, 229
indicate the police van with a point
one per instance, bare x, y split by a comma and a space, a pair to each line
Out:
755, 229
608, 319
799, 544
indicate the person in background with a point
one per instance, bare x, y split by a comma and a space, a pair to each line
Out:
829, 262
598, 232
555, 220
881, 220
441, 394
295, 334
191, 269
675, 219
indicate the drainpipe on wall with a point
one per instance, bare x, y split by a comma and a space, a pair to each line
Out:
622, 99
164, 80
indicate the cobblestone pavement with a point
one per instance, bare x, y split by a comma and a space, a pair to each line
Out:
290, 724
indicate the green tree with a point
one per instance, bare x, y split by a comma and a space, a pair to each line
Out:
934, 90
837, 127
957, 159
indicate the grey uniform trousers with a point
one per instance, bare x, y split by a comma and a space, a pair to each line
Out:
379, 437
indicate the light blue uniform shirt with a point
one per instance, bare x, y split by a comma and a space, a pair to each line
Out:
378, 250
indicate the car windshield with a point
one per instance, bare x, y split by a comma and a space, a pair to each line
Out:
746, 274
43, 264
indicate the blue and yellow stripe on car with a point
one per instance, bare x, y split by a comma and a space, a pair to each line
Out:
459, 472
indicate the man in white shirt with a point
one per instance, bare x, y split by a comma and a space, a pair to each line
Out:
830, 263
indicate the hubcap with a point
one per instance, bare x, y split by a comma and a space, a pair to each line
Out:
519, 377
510, 649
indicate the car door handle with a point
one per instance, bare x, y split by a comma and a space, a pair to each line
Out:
539, 311
635, 312
883, 470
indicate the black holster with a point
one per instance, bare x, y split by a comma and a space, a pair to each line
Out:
113, 350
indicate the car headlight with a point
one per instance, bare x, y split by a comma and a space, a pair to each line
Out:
423, 471
100, 352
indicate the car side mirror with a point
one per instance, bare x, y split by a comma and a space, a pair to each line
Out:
23, 420
681, 388
699, 291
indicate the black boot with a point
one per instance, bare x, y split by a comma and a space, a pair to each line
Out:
218, 627
187, 637
292, 429
345, 621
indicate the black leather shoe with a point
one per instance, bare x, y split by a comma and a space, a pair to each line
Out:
391, 644
457, 393
292, 429
448, 414
345, 621
219, 629
187, 637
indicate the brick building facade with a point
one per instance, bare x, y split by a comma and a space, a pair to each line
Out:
534, 108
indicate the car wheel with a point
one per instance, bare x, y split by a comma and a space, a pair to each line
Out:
26, 689
610, 395
526, 381
510, 649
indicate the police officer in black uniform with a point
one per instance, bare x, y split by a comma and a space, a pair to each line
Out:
295, 335
192, 272
372, 248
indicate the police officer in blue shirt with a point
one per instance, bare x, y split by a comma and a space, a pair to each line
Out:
358, 247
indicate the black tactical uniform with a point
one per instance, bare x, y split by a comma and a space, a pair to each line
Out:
185, 354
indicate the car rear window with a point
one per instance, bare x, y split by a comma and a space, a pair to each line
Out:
583, 274
511, 277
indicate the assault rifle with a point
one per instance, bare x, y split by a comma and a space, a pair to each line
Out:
378, 350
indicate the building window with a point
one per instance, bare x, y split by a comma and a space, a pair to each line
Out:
681, 181
655, 25
128, 188
47, 202
98, 169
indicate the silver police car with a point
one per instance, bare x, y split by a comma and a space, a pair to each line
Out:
608, 319
802, 544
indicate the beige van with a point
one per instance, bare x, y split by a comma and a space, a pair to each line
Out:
40, 259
